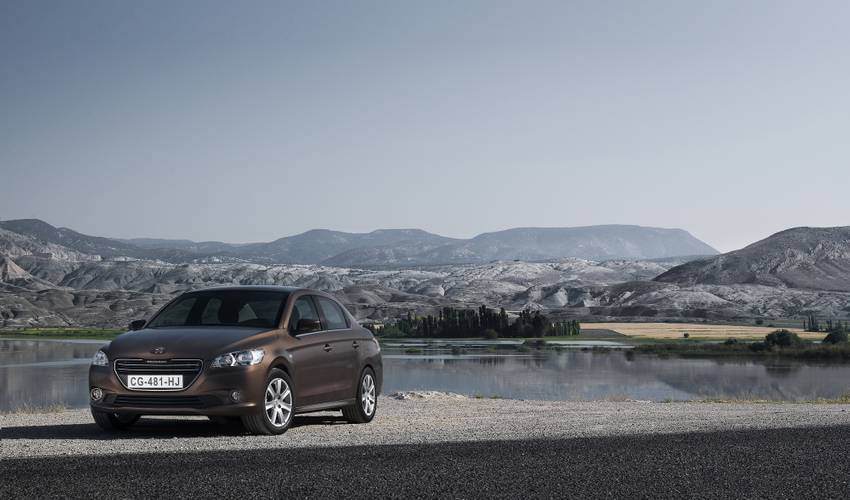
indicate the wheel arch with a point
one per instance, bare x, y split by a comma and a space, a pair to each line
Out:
378, 380
281, 363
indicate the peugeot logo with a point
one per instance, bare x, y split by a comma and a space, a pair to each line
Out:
158, 350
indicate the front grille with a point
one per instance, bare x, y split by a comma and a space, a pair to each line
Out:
154, 367
164, 401
189, 368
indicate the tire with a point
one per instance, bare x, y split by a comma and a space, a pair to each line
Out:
114, 421
366, 401
272, 416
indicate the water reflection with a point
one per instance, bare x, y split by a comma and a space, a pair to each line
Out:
574, 375
42, 373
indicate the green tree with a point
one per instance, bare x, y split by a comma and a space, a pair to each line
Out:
836, 338
783, 338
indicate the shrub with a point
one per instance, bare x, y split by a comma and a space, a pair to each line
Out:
491, 334
836, 337
686, 334
760, 346
759, 321
783, 338
730, 341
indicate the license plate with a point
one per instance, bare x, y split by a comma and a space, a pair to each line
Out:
155, 381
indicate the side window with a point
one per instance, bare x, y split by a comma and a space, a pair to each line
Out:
334, 317
302, 309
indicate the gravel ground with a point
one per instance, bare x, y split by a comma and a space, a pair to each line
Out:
446, 446
434, 418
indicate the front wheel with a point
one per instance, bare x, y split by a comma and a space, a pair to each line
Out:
366, 402
274, 416
114, 421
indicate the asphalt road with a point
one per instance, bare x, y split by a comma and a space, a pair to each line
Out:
775, 463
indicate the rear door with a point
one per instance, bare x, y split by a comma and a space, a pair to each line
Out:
343, 359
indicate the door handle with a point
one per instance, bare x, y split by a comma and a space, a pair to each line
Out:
327, 347
355, 344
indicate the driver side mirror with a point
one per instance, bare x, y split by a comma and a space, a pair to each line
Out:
308, 326
137, 325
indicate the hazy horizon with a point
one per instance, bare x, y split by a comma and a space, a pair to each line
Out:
248, 122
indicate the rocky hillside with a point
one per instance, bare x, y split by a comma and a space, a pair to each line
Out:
50, 291
804, 258
14, 245
60, 241
107, 293
792, 274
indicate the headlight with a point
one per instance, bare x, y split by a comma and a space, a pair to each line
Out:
239, 358
100, 359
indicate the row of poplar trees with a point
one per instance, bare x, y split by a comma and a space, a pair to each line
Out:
454, 323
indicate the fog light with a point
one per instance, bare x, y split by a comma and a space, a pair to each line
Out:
235, 396
96, 394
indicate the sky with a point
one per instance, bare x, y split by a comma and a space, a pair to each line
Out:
248, 121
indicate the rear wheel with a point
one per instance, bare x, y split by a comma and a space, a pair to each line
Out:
114, 421
366, 402
274, 416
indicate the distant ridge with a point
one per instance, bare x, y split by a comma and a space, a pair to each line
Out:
393, 247
589, 242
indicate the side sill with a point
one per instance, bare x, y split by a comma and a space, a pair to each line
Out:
332, 405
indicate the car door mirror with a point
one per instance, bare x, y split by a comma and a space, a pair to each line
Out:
308, 326
137, 325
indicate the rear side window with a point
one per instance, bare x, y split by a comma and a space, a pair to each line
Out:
334, 317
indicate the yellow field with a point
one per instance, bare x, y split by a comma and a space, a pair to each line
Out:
694, 330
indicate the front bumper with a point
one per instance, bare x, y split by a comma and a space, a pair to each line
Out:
209, 394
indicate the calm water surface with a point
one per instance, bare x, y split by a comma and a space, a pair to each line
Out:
42, 373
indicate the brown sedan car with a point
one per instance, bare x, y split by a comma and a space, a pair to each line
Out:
255, 354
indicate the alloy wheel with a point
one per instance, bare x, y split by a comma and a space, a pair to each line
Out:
278, 402
367, 395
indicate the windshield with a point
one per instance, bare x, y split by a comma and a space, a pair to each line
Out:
223, 308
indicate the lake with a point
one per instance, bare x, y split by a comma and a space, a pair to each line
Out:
49, 372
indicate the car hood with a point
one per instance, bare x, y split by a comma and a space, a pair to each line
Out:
178, 342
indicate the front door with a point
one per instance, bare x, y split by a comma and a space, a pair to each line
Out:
307, 353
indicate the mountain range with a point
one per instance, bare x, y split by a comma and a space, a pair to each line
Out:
389, 247
55, 276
